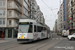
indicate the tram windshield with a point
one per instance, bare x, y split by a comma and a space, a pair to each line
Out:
25, 28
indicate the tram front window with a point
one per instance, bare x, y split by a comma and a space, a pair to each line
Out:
25, 29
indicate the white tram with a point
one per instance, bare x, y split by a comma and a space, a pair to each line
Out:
30, 30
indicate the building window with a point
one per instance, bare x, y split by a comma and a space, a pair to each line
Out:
2, 3
2, 13
9, 22
73, 0
2, 21
10, 4
10, 12
64, 26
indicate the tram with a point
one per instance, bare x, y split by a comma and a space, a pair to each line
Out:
30, 30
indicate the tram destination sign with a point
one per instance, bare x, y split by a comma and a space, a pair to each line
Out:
25, 23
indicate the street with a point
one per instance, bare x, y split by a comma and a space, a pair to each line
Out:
55, 43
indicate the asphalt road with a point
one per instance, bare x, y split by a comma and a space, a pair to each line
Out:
54, 43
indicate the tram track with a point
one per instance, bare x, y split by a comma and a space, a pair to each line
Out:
48, 45
39, 44
8, 47
18, 45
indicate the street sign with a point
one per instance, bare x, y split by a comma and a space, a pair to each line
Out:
68, 27
3, 29
69, 18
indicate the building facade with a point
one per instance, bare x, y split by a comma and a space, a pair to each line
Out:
10, 13
71, 14
65, 14
62, 21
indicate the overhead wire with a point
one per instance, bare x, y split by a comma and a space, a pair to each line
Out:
48, 7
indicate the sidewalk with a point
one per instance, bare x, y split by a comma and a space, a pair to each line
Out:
7, 40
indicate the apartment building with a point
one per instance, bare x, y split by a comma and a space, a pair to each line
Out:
26, 9
60, 17
10, 13
56, 26
63, 16
40, 18
71, 14
65, 13
33, 9
59, 21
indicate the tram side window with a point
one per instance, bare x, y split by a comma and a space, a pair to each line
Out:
39, 29
44, 28
30, 29
35, 29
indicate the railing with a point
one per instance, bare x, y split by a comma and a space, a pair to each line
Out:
17, 16
20, 1
18, 8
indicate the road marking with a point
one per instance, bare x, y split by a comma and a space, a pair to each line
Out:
59, 38
49, 45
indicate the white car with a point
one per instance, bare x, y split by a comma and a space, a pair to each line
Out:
71, 37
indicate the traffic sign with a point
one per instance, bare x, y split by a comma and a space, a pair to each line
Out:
3, 29
70, 18
68, 27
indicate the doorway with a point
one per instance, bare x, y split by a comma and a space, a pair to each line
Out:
1, 34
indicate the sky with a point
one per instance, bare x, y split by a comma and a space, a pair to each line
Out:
49, 9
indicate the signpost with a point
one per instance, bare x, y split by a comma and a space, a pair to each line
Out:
3, 33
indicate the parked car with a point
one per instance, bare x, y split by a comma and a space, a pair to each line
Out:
59, 33
71, 37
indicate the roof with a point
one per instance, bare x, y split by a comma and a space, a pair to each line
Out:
27, 20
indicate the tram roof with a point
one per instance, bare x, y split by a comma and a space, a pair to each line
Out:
27, 20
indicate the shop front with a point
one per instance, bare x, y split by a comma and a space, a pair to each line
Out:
8, 33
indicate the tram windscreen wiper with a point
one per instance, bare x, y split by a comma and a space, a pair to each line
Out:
21, 30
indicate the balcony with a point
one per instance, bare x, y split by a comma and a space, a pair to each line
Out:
16, 8
33, 9
70, 21
18, 1
14, 16
74, 10
74, 19
73, 3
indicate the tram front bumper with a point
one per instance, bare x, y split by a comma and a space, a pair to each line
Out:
24, 39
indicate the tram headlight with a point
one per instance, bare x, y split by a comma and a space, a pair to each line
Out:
19, 37
24, 37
